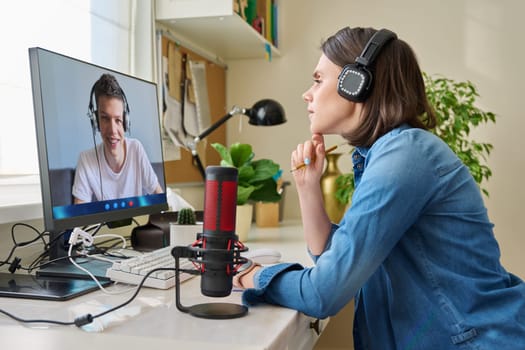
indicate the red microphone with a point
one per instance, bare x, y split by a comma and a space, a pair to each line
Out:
217, 249
218, 237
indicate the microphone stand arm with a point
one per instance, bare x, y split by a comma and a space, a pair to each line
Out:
179, 252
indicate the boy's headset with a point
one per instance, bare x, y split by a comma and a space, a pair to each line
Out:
355, 80
93, 113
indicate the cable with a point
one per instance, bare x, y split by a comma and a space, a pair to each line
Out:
15, 263
114, 237
16, 318
38, 261
55, 240
40, 235
141, 284
88, 318
83, 319
95, 228
87, 240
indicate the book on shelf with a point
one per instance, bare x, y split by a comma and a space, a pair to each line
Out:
251, 11
262, 16
275, 42
268, 25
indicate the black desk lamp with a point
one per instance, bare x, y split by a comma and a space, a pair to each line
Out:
264, 112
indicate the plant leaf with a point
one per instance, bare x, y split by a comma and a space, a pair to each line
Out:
241, 153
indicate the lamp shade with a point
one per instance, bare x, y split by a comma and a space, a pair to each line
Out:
266, 112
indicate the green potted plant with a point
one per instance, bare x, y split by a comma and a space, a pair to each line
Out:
257, 181
457, 115
256, 177
186, 216
184, 231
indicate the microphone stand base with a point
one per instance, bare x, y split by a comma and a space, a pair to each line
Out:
218, 311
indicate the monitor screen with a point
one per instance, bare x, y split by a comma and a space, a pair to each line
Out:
99, 142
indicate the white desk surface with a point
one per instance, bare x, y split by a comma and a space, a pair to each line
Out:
152, 320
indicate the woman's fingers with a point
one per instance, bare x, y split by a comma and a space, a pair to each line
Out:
309, 153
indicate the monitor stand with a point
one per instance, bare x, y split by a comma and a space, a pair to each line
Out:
66, 269
60, 280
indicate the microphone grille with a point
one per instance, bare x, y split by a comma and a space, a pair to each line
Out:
220, 202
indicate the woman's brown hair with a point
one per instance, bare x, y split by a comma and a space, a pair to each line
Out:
398, 92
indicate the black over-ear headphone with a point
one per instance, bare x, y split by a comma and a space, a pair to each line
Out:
355, 80
93, 112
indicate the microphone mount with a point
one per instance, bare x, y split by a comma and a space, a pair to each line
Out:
217, 311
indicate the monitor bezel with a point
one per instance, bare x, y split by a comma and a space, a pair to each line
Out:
50, 222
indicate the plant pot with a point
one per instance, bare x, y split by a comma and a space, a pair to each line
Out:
183, 235
243, 221
267, 214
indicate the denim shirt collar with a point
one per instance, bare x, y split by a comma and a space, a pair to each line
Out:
360, 153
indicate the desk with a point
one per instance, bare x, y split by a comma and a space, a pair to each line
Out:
152, 320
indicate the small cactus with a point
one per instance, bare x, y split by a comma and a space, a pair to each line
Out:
186, 216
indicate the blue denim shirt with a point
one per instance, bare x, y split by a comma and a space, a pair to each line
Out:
417, 251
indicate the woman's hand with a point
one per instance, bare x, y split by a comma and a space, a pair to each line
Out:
244, 279
316, 223
311, 154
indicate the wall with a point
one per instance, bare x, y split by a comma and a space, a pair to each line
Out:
475, 40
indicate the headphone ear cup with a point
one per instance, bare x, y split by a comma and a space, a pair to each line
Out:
127, 122
93, 118
126, 119
354, 82
97, 121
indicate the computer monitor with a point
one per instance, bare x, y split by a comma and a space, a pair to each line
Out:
69, 123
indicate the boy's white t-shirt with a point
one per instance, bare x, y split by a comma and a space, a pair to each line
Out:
136, 177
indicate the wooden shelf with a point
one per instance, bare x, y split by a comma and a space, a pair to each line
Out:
214, 26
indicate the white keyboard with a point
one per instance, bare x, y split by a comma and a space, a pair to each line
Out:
134, 269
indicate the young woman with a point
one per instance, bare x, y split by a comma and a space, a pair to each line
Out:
416, 248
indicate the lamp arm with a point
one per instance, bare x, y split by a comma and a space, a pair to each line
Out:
193, 145
235, 110
198, 163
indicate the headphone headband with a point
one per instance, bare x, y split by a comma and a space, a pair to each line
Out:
374, 45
